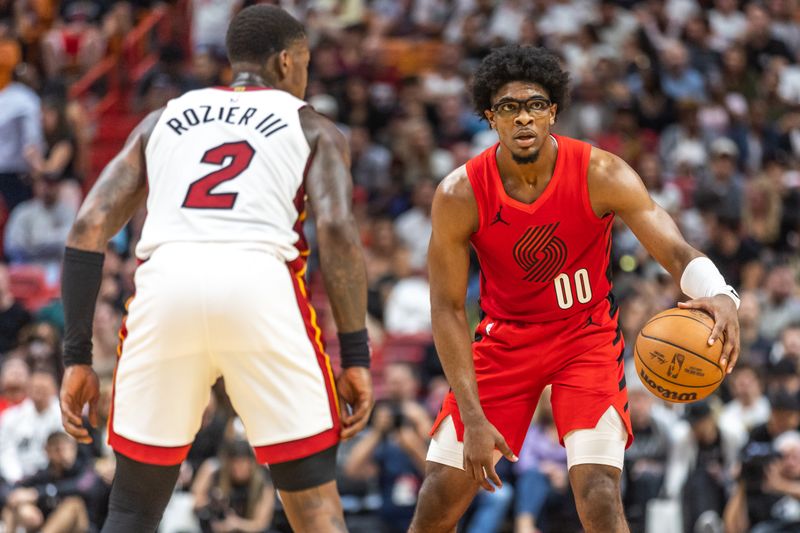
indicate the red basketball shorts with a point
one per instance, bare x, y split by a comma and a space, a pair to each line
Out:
581, 357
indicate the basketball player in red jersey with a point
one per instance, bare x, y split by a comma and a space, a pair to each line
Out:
220, 291
538, 209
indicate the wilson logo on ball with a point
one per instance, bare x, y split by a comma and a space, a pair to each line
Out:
666, 393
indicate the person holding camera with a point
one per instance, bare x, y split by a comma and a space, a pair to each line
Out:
393, 448
767, 497
233, 495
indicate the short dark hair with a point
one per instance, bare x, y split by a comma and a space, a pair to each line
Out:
57, 437
259, 31
519, 63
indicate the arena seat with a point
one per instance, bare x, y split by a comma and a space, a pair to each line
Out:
30, 287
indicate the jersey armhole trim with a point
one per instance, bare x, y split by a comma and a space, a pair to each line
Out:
586, 156
472, 184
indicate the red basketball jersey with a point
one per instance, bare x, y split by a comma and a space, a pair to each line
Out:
542, 261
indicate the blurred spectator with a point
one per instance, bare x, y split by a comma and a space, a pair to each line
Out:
761, 45
25, 427
646, 459
60, 154
76, 43
780, 304
723, 183
698, 38
205, 71
210, 19
414, 226
40, 346
736, 255
624, 138
387, 262
783, 376
65, 496
679, 79
13, 317
541, 488
489, 509
234, 494
371, 161
683, 141
106, 326
663, 192
727, 23
166, 80
767, 500
37, 229
762, 211
445, 80
749, 407
788, 347
418, 156
702, 463
20, 135
408, 307
15, 379
393, 448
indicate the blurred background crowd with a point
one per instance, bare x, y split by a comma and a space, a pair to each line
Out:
701, 97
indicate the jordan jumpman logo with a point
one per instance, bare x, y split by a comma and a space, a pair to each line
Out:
499, 218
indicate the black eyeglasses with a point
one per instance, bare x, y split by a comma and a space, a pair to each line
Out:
511, 107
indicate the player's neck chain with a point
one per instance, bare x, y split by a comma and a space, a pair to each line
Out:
248, 79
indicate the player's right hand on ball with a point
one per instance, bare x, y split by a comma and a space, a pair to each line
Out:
480, 441
79, 387
354, 386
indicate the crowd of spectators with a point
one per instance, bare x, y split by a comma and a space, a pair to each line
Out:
701, 97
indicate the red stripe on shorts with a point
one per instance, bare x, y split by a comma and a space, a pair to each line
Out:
144, 453
297, 449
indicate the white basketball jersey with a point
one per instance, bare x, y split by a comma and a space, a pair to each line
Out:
226, 165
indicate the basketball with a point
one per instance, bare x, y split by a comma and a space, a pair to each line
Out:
673, 358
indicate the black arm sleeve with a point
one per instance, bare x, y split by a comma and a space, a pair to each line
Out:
80, 284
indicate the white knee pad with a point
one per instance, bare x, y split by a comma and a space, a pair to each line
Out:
445, 447
602, 445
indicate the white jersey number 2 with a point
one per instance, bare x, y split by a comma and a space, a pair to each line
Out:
583, 291
238, 156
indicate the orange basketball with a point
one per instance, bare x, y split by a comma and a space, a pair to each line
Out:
673, 358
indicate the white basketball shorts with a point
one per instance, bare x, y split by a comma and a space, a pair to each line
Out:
202, 311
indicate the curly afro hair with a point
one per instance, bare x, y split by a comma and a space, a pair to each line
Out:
519, 63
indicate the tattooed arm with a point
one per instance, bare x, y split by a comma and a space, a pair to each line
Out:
119, 192
329, 187
117, 195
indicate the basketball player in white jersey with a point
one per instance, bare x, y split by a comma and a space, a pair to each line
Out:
220, 291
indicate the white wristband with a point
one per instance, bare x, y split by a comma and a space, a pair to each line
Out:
701, 279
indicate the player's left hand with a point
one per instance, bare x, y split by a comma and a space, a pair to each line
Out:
726, 323
79, 387
354, 386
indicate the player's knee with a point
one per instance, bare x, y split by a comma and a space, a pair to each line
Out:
597, 491
434, 511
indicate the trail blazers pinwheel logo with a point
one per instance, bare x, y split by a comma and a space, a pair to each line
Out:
540, 253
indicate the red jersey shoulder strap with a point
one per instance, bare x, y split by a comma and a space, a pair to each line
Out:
480, 171
575, 181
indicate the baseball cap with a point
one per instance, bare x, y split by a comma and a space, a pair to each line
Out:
724, 147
